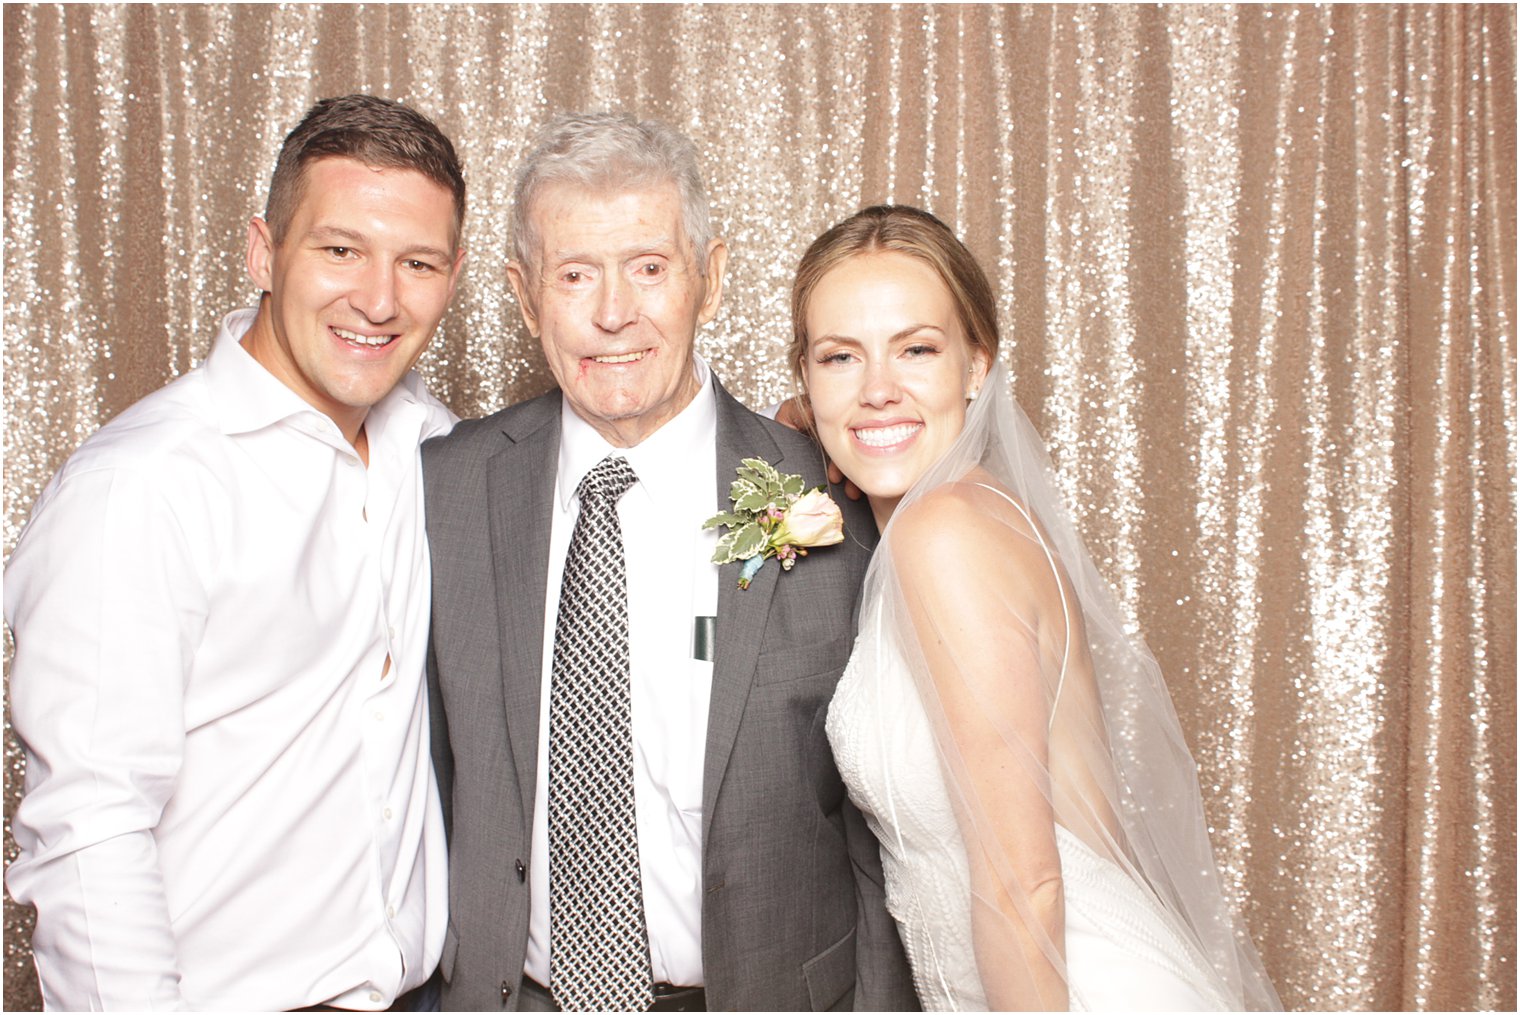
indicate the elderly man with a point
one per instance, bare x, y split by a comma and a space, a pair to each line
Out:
645, 812
220, 608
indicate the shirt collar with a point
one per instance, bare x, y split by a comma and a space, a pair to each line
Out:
662, 461
247, 397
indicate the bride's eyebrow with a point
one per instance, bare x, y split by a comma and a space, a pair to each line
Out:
914, 329
908, 332
846, 339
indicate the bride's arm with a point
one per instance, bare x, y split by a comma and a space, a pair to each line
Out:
978, 591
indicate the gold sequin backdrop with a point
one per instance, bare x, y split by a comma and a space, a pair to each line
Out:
1257, 276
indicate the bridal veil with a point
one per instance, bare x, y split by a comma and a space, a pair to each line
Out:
1104, 751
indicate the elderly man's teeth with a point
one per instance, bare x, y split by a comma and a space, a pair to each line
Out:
374, 341
886, 436
627, 357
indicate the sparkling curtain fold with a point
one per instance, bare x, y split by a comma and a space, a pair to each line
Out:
1257, 276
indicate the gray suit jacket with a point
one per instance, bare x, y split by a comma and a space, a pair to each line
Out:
793, 916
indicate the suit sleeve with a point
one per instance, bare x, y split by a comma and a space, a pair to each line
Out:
106, 608
443, 753
438, 720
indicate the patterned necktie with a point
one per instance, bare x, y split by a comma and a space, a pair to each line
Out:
599, 950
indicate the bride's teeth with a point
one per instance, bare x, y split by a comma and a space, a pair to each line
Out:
886, 436
627, 357
374, 341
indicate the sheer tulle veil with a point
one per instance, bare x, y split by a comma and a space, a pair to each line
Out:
1115, 768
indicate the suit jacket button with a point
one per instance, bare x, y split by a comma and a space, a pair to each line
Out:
522, 872
506, 990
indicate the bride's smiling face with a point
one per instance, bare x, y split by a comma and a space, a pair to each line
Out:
888, 370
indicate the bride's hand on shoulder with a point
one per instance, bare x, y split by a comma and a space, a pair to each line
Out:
794, 413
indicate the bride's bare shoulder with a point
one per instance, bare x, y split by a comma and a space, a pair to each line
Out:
970, 523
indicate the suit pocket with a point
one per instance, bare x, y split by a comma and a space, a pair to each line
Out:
830, 975
798, 662
450, 953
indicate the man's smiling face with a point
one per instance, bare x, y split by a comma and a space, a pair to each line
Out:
616, 297
357, 285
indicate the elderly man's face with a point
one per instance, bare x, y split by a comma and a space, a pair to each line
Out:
616, 297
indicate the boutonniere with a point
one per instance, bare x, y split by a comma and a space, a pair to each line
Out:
773, 517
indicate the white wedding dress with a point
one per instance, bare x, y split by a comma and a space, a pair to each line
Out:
1123, 951
1065, 716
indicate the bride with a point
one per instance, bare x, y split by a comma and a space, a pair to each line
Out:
1012, 747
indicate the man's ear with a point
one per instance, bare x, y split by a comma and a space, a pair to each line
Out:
260, 253
717, 270
519, 280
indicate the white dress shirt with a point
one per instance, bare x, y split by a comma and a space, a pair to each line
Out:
671, 582
228, 803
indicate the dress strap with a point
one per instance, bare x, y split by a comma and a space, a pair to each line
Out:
1060, 590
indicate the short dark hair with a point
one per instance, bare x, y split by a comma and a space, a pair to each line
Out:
367, 129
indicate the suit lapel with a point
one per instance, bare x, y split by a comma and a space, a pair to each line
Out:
741, 613
520, 492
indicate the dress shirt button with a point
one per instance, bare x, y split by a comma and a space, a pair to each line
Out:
387, 814
522, 872
379, 717
390, 911
374, 996
391, 632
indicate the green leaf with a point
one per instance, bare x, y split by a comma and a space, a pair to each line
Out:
792, 486
738, 543
755, 500
725, 518
759, 465
748, 540
762, 474
742, 488
725, 551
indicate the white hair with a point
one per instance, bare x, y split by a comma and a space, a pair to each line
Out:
609, 152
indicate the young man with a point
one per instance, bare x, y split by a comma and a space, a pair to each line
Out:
220, 608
